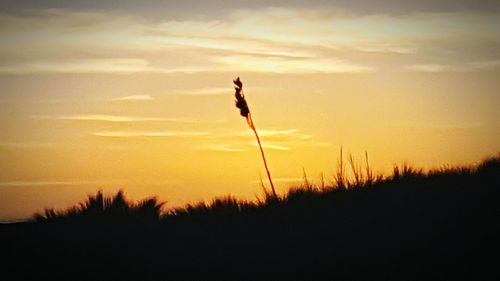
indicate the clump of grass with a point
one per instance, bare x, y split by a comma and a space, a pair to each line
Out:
339, 177
370, 179
306, 190
117, 208
99, 206
356, 172
227, 205
242, 105
360, 177
269, 197
406, 171
489, 166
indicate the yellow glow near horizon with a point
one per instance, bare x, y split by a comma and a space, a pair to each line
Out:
106, 100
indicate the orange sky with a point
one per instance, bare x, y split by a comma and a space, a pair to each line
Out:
95, 97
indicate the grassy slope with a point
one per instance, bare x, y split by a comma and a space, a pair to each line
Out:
412, 226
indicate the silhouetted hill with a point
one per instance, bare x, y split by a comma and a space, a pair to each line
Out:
441, 225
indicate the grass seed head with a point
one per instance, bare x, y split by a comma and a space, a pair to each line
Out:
240, 101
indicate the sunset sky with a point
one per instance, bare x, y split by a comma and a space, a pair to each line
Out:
138, 95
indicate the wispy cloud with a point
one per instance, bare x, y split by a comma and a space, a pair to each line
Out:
213, 91
430, 67
483, 64
281, 180
59, 182
385, 49
108, 65
325, 65
153, 134
271, 132
279, 140
133, 98
272, 146
290, 136
462, 67
113, 118
226, 148
96, 182
23, 145
284, 145
284, 40
206, 91
187, 46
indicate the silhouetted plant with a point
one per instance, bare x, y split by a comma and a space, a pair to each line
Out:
323, 184
242, 105
305, 180
117, 207
360, 233
490, 166
219, 206
148, 208
339, 177
406, 171
370, 179
447, 170
301, 192
356, 172
99, 206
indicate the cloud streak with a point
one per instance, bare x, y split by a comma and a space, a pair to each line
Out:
271, 132
97, 182
27, 145
287, 134
113, 118
206, 91
279, 140
286, 40
59, 183
108, 65
156, 10
281, 180
273, 146
133, 98
226, 148
463, 67
149, 134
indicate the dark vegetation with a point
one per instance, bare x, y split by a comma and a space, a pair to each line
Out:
411, 225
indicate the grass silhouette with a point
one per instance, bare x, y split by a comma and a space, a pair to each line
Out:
100, 207
242, 105
410, 225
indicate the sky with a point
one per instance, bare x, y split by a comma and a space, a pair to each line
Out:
138, 95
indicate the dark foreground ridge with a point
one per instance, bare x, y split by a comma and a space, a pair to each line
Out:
441, 225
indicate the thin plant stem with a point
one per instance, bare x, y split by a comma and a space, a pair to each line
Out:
252, 126
242, 105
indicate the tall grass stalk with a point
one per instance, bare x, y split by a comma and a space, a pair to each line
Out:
339, 177
356, 172
369, 173
242, 105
